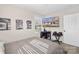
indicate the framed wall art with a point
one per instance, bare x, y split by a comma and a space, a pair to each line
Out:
19, 24
5, 24
50, 22
29, 24
38, 27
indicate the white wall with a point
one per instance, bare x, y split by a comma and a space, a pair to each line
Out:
16, 13
12, 12
71, 26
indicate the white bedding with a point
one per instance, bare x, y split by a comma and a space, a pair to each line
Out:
33, 46
40, 45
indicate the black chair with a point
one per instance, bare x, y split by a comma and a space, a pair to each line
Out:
45, 35
57, 36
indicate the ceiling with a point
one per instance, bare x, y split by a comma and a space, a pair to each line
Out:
51, 9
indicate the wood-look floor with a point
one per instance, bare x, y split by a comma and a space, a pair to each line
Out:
70, 49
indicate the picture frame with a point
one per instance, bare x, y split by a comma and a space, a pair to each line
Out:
5, 24
50, 22
38, 27
29, 24
19, 24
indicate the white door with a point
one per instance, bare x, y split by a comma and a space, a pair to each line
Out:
71, 27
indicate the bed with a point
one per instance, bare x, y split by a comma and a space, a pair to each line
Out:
33, 45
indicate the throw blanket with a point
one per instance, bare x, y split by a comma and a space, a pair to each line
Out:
36, 43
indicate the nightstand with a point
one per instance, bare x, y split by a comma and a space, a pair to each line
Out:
2, 47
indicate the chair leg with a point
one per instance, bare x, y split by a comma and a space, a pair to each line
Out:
58, 41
